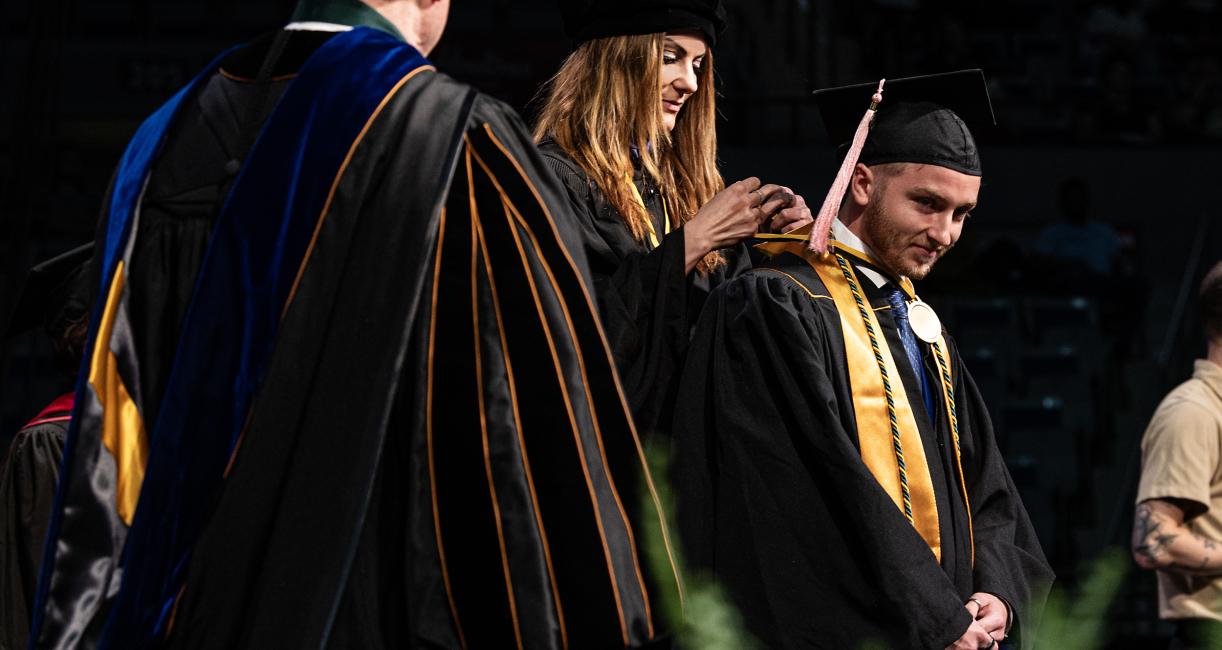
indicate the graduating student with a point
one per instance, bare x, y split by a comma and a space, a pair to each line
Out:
629, 129
345, 384
835, 464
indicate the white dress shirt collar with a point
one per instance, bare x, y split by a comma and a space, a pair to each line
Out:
316, 26
842, 234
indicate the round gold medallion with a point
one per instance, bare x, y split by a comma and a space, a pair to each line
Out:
924, 321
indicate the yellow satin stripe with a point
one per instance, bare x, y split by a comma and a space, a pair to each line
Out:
774, 248
801, 233
774, 244
794, 280
122, 428
870, 404
653, 234
873, 418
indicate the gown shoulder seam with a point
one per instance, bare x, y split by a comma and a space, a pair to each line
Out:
796, 282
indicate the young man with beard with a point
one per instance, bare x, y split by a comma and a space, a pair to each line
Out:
835, 465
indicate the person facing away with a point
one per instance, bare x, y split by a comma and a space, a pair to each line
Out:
345, 383
835, 465
1177, 525
53, 297
628, 126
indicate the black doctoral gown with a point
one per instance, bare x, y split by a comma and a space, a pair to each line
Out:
437, 452
775, 499
198, 163
647, 301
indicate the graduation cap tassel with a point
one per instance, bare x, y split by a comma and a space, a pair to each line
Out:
831, 203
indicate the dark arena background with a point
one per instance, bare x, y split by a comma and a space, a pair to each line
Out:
1108, 111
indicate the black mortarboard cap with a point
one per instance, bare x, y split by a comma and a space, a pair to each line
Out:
588, 19
927, 119
52, 289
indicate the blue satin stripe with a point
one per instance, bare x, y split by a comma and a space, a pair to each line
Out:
258, 246
127, 187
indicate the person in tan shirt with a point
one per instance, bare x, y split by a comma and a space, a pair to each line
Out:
1177, 527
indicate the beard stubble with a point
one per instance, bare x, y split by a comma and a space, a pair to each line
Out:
890, 243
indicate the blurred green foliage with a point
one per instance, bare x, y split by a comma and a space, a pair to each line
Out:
704, 617
1079, 620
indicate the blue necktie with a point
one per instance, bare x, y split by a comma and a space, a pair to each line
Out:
899, 309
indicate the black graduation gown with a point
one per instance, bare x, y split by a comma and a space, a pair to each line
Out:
28, 477
399, 481
774, 499
395, 592
647, 301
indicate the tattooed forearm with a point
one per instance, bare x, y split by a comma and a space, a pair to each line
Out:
1201, 569
1149, 541
1163, 542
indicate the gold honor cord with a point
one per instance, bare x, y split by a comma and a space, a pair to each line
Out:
948, 390
653, 234
896, 439
881, 406
948, 394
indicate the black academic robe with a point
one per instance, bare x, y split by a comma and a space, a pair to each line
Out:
438, 453
28, 476
775, 500
198, 163
647, 301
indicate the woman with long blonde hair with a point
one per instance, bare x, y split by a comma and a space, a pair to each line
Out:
628, 127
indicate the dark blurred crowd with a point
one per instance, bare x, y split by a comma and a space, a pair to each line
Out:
1080, 71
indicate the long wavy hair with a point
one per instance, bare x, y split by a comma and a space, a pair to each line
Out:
605, 100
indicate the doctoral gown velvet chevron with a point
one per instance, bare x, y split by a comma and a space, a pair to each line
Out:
388, 416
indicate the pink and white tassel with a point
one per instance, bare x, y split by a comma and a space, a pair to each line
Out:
835, 196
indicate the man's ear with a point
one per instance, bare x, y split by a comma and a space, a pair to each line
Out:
860, 185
